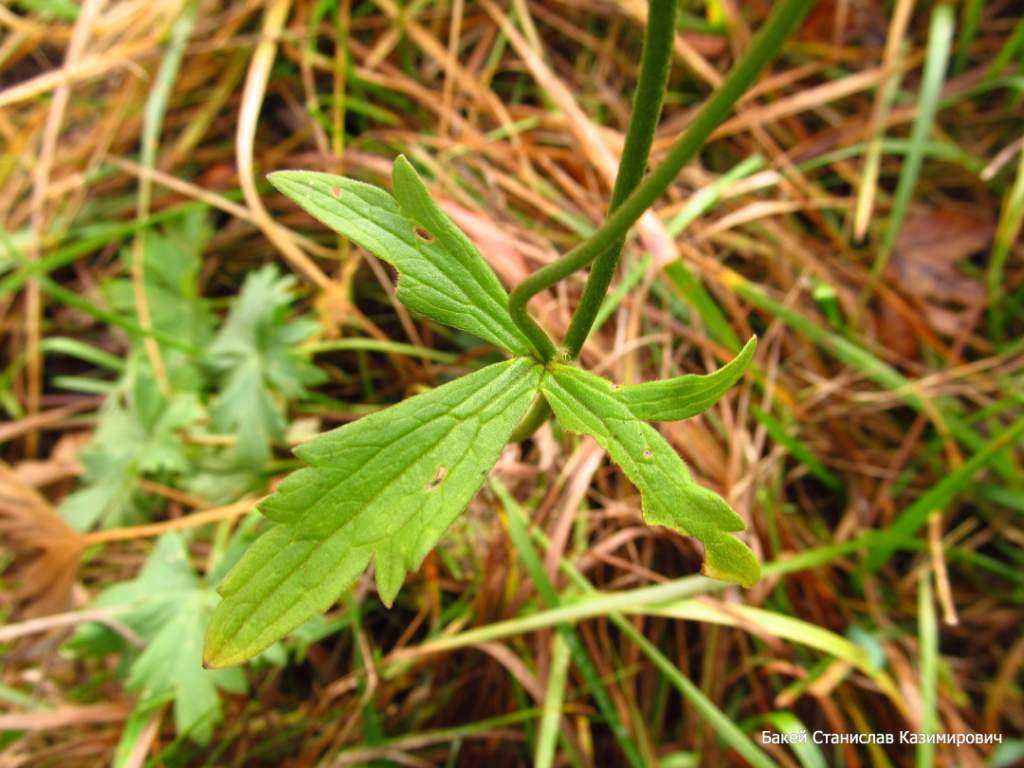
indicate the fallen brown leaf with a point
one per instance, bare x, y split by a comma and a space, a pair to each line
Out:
926, 268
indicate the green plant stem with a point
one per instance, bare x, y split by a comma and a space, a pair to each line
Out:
785, 17
655, 63
554, 698
654, 66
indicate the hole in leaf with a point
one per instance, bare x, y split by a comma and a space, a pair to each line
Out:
648, 453
442, 470
336, 191
423, 235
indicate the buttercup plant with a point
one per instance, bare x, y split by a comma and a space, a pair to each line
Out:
386, 487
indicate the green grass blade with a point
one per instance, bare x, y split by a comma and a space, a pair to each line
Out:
970, 18
531, 561
84, 384
364, 755
778, 432
379, 345
684, 281
778, 625
928, 649
1006, 53
156, 104
681, 277
140, 719
626, 284
873, 158
71, 299
80, 242
706, 198
723, 725
806, 751
63, 345
719, 328
726, 729
1007, 232
942, 493
870, 366
940, 39
554, 697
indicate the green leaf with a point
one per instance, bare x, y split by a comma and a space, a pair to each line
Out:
587, 404
169, 606
484, 288
385, 487
136, 436
172, 258
134, 728
441, 273
684, 396
258, 361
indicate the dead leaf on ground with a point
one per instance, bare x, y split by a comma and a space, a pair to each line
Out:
926, 262
865, 22
707, 45
894, 332
931, 244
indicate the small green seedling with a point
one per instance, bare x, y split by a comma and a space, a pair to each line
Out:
386, 487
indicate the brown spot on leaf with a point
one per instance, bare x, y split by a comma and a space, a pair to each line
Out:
442, 470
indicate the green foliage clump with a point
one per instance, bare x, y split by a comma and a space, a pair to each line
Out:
257, 365
235, 380
137, 436
168, 606
386, 487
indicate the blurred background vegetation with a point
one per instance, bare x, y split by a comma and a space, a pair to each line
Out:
170, 326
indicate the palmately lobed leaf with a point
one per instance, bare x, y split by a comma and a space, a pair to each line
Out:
137, 434
384, 487
441, 274
257, 357
172, 260
588, 404
168, 604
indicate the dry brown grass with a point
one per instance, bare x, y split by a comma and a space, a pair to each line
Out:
518, 109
